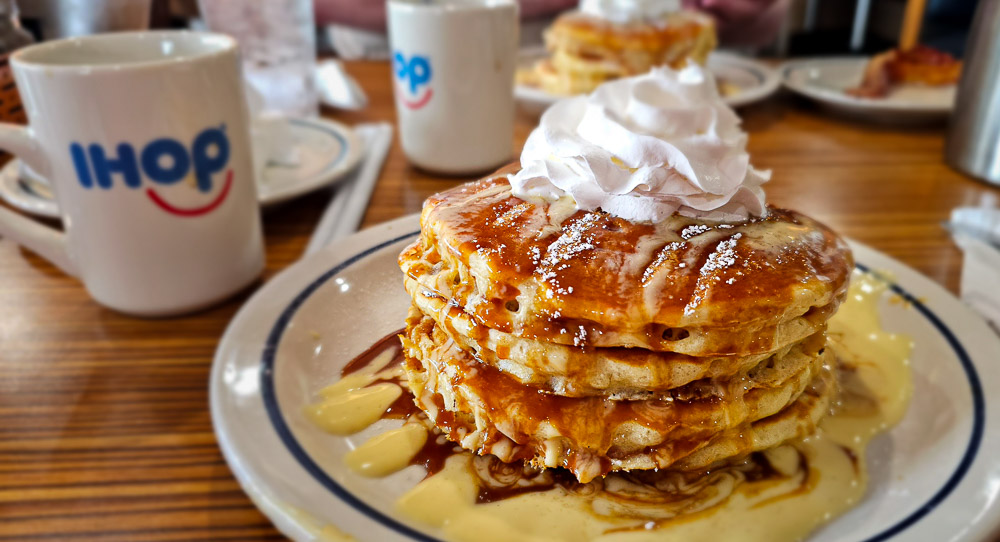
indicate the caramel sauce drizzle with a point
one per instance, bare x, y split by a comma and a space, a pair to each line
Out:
609, 270
365, 358
498, 480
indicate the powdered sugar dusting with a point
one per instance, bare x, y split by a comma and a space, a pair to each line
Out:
693, 230
573, 241
662, 256
719, 260
536, 255
512, 214
723, 257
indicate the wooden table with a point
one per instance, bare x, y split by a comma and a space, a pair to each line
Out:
104, 424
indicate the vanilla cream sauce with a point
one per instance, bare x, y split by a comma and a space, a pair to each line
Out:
388, 452
353, 403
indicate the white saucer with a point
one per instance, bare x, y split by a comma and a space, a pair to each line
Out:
825, 79
326, 151
753, 80
27, 192
935, 476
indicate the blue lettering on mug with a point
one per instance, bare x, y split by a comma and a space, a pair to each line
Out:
416, 71
180, 161
163, 161
125, 165
205, 164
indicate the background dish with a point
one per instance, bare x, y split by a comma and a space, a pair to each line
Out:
932, 477
825, 79
752, 80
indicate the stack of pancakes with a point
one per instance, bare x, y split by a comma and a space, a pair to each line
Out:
577, 339
587, 51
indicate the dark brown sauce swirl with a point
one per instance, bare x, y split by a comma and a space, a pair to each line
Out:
365, 358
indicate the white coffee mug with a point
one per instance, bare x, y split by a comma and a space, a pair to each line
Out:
144, 137
453, 74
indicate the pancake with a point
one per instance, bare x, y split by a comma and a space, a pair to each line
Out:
551, 273
487, 411
619, 373
435, 290
798, 420
587, 51
636, 46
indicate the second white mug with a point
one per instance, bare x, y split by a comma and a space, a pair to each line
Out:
453, 76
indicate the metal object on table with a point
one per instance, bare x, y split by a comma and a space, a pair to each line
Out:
68, 18
973, 144
860, 25
12, 37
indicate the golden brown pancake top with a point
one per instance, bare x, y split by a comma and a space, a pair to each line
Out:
571, 267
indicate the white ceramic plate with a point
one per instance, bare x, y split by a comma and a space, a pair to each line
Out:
326, 151
825, 79
752, 81
936, 476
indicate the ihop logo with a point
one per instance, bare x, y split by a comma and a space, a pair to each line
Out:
163, 162
412, 74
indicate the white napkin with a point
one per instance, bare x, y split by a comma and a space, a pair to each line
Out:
345, 211
976, 230
337, 88
978, 221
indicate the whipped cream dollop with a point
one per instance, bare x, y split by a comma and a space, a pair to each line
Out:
643, 148
624, 11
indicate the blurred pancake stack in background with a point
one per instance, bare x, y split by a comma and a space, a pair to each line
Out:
595, 44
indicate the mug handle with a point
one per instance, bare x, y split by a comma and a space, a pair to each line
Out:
47, 242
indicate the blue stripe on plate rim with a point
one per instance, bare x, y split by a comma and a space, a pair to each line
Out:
296, 449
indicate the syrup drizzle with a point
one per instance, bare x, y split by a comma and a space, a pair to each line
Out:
365, 358
498, 481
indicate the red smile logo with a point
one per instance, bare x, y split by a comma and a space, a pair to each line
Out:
419, 102
411, 74
193, 211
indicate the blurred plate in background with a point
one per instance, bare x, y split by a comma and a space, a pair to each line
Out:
742, 81
825, 80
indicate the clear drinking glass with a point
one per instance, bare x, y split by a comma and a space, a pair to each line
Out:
278, 43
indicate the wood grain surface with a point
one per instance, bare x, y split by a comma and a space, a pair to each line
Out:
104, 424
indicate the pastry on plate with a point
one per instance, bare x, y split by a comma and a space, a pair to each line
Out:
920, 65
